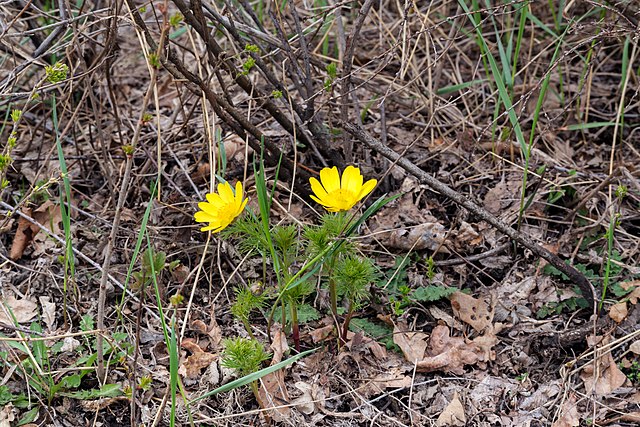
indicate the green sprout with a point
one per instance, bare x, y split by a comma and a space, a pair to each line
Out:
252, 48
276, 94
16, 115
246, 302
175, 20
57, 72
244, 356
154, 60
353, 275
248, 64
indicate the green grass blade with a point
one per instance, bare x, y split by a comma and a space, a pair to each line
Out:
247, 379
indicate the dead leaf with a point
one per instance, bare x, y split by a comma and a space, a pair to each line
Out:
466, 237
607, 377
635, 294
199, 359
473, 311
23, 309
321, 333
391, 378
412, 344
451, 354
312, 396
429, 235
635, 347
618, 312
453, 414
272, 394
7, 415
24, 236
69, 344
48, 313
569, 416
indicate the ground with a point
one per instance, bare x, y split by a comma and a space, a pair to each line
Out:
490, 278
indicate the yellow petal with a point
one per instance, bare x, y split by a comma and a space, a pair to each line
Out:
352, 180
318, 200
239, 194
367, 188
244, 203
214, 199
330, 179
201, 216
317, 188
226, 194
209, 208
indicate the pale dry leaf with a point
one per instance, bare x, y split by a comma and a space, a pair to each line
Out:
412, 344
618, 312
453, 414
429, 235
49, 215
635, 293
451, 354
48, 312
569, 416
466, 237
538, 398
394, 377
7, 415
475, 312
23, 309
493, 200
635, 347
272, 393
198, 360
321, 333
607, 377
305, 403
69, 344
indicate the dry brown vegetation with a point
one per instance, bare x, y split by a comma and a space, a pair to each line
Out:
454, 106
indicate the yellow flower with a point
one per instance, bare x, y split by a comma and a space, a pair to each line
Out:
221, 208
337, 194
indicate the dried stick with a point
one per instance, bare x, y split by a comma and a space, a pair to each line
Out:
122, 197
346, 73
574, 275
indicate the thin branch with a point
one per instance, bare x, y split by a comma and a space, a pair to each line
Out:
574, 275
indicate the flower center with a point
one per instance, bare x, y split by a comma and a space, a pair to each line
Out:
341, 199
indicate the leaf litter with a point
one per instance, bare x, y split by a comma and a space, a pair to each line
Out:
468, 360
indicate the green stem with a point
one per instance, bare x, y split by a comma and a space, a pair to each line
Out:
295, 328
247, 326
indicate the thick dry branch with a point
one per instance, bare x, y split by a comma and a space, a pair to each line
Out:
574, 275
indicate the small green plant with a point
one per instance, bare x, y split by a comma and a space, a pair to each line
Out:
245, 356
246, 302
247, 65
37, 359
632, 371
56, 73
252, 48
276, 94
302, 259
144, 276
332, 74
175, 20
154, 60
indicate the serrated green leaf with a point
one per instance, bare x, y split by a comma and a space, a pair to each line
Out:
432, 293
378, 331
107, 390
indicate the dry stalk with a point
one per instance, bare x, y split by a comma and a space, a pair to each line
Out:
126, 178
